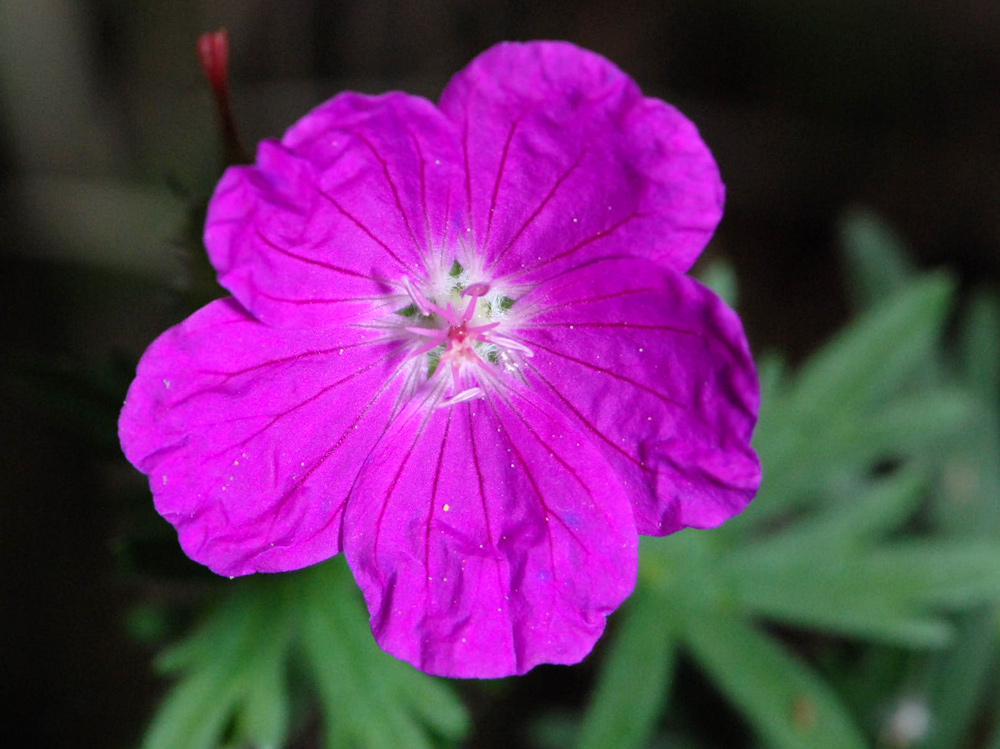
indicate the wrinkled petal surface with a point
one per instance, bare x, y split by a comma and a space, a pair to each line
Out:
461, 349
326, 223
251, 436
564, 160
490, 538
657, 371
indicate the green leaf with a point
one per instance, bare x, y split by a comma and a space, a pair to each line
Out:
875, 509
194, 714
877, 353
232, 672
369, 698
788, 704
631, 690
822, 576
980, 347
877, 261
956, 574
720, 277
823, 422
959, 679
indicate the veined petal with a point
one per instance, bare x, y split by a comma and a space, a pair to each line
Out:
489, 537
323, 227
657, 370
251, 436
566, 160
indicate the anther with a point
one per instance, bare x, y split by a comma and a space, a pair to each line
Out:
416, 297
465, 395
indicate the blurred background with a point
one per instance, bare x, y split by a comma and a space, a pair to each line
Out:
858, 141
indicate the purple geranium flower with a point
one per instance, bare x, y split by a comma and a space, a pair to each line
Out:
461, 349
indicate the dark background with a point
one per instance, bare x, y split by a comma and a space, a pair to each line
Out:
108, 138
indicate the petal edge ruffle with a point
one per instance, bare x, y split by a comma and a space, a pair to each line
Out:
248, 434
561, 151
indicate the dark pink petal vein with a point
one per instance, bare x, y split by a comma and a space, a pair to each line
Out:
489, 538
251, 436
657, 370
565, 159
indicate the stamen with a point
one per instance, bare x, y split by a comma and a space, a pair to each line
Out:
483, 328
465, 395
429, 332
476, 290
506, 342
416, 297
450, 333
423, 304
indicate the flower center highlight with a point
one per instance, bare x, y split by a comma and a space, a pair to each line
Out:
460, 340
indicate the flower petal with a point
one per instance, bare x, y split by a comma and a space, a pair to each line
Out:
323, 227
657, 369
251, 436
566, 160
490, 537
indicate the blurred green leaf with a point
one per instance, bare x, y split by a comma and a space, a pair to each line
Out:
877, 260
631, 690
875, 510
959, 573
233, 682
232, 673
959, 678
369, 698
823, 422
720, 277
785, 701
875, 354
979, 353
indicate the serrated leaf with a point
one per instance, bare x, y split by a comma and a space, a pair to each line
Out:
232, 672
787, 703
631, 690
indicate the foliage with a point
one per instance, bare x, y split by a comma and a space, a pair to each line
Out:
861, 583
876, 523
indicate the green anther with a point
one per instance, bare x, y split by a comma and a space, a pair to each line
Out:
410, 311
433, 359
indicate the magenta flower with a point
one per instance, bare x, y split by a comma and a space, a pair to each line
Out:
461, 349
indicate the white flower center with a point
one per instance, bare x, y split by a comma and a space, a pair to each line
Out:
460, 332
